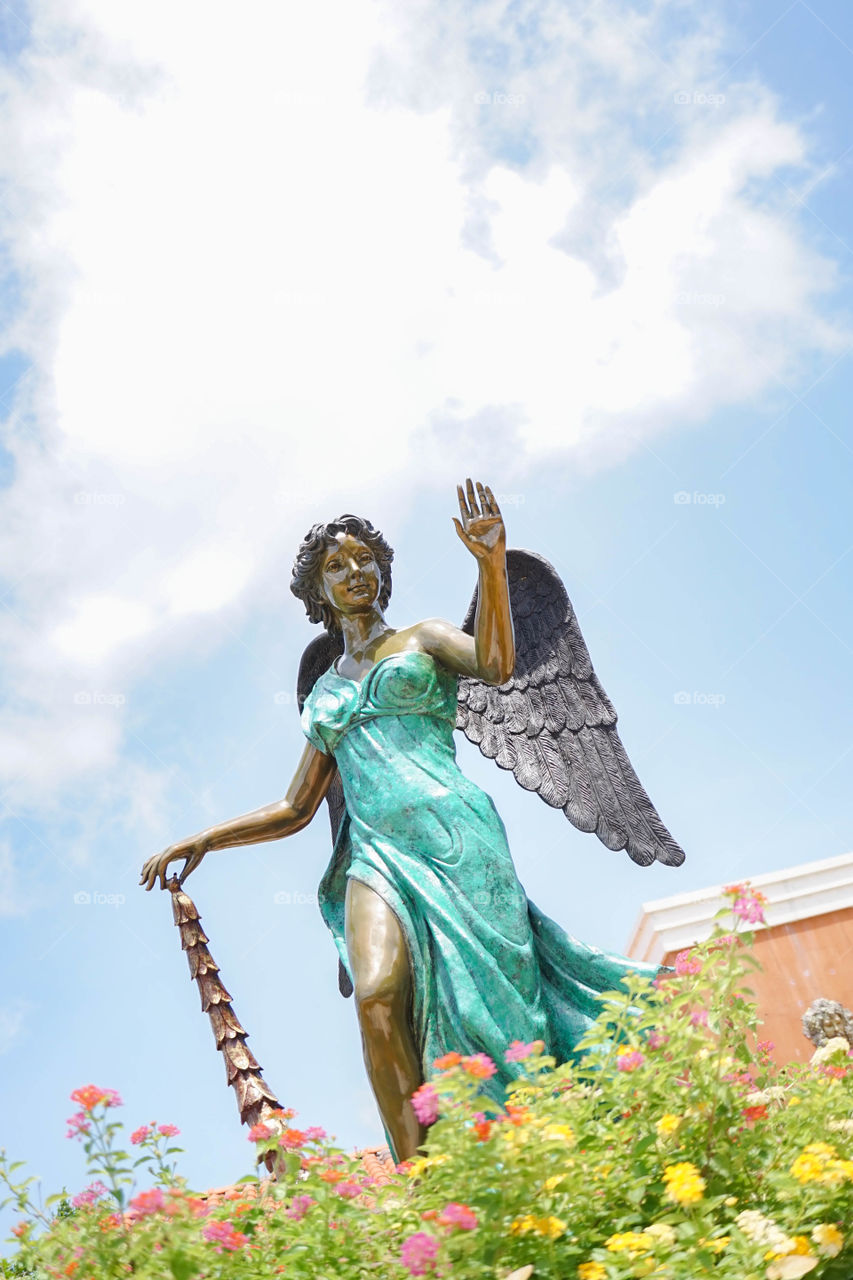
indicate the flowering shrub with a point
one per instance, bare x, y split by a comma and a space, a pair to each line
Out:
672, 1147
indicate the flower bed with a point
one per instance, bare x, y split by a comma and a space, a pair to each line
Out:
673, 1147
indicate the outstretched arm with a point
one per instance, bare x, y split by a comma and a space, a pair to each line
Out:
490, 654
310, 783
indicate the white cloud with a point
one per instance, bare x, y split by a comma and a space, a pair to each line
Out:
265, 263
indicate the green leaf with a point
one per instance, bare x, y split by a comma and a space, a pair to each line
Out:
181, 1266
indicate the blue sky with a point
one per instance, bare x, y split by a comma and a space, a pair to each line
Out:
516, 242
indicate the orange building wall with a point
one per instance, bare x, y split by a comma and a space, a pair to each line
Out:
800, 962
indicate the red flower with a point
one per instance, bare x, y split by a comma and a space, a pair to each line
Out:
482, 1126
752, 1114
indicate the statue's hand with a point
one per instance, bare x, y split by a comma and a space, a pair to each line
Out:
482, 528
192, 849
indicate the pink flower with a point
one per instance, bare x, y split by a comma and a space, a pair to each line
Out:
766, 1046
89, 1195
748, 902
479, 1065
458, 1215
147, 1202
315, 1134
140, 1134
418, 1253
656, 1039
260, 1133
224, 1236
518, 1050
425, 1104
699, 1018
299, 1206
629, 1059
349, 1190
686, 963
78, 1125
169, 1130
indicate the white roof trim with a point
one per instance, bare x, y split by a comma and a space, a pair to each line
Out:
797, 893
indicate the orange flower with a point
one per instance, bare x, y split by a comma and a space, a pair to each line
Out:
517, 1115
479, 1065
332, 1175
447, 1060
483, 1128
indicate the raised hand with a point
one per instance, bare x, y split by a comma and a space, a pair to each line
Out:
482, 527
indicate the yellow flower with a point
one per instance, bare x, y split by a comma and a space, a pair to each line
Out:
828, 1239
417, 1167
592, 1271
520, 1226
667, 1125
730, 1202
551, 1227
550, 1183
794, 1100
603, 1170
684, 1184
802, 1245
632, 1242
818, 1162
560, 1131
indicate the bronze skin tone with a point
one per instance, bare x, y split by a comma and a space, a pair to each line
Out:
377, 948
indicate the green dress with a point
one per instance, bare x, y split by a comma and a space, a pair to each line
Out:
488, 967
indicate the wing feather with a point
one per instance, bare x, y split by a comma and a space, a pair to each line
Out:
553, 724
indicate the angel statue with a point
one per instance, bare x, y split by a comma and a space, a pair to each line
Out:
434, 932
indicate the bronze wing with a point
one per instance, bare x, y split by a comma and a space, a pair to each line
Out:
553, 725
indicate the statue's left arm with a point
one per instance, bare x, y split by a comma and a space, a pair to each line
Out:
488, 654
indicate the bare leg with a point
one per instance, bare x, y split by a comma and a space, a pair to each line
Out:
379, 960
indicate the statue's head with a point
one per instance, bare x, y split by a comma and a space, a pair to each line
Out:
343, 566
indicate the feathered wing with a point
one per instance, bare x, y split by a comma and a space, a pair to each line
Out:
553, 725
317, 658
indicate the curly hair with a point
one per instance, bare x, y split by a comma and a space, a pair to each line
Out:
308, 565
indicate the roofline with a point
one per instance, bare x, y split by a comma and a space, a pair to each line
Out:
795, 893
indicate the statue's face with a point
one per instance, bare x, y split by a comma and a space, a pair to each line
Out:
350, 576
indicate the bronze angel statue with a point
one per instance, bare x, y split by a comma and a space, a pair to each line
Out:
435, 934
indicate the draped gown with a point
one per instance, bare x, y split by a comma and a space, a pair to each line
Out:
487, 966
